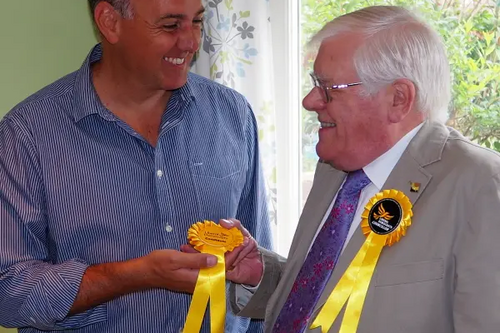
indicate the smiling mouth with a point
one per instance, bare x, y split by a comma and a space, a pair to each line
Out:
175, 61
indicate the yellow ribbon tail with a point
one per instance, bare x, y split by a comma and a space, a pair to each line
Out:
350, 286
218, 295
198, 303
340, 294
375, 244
211, 284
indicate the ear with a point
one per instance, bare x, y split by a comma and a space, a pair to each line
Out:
403, 95
107, 21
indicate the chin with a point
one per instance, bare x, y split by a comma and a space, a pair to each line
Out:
174, 85
323, 152
326, 155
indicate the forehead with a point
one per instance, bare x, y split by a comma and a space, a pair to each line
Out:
159, 8
335, 56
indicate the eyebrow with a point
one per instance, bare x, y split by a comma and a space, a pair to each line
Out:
180, 16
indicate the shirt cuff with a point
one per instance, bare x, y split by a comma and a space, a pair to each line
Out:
251, 288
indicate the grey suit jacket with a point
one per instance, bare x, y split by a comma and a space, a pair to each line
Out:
443, 276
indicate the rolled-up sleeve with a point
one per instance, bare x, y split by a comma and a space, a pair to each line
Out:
34, 292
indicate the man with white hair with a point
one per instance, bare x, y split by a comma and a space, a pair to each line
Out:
389, 168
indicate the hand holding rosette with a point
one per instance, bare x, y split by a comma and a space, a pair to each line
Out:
228, 237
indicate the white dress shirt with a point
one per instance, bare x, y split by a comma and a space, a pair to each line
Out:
377, 171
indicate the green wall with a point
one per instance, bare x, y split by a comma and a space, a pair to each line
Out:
40, 41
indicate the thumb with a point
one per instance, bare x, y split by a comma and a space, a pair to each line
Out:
195, 260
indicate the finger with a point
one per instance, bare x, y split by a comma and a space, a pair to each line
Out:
227, 223
188, 249
231, 256
186, 279
232, 276
246, 251
234, 223
193, 260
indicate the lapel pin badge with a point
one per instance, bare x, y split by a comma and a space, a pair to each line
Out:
414, 187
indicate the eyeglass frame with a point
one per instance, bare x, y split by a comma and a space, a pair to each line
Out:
317, 84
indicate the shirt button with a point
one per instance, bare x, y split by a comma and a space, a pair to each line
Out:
169, 228
159, 173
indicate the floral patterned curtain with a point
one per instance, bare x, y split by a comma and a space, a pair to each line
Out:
236, 51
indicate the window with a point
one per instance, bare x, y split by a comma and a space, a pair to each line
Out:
471, 31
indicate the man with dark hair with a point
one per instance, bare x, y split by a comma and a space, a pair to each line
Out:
104, 171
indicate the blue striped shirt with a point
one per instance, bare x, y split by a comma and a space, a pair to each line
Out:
80, 187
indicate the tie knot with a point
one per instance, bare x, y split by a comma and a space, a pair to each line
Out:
355, 182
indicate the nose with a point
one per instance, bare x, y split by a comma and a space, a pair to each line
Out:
314, 100
189, 40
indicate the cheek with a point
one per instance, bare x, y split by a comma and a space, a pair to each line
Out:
166, 43
358, 125
370, 132
364, 115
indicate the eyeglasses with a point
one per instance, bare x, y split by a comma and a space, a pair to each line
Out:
316, 81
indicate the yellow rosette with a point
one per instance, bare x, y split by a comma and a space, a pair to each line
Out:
385, 220
208, 237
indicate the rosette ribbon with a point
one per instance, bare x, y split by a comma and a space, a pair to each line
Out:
385, 220
211, 238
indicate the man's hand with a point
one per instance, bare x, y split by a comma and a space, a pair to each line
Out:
166, 269
244, 264
174, 270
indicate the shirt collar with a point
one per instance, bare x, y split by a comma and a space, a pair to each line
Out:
86, 101
379, 170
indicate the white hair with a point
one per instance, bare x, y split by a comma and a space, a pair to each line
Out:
397, 45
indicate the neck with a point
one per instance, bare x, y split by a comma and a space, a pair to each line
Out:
406, 127
396, 133
128, 98
120, 91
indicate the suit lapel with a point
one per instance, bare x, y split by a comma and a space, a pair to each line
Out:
409, 175
326, 184
327, 181
406, 173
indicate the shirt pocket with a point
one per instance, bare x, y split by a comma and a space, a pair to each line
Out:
218, 182
216, 167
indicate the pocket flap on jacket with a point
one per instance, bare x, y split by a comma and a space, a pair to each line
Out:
410, 273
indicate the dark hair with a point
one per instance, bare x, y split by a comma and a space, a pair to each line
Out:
122, 6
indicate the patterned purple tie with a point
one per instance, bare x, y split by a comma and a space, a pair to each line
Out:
322, 258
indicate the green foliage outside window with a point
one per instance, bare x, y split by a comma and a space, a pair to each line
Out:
471, 32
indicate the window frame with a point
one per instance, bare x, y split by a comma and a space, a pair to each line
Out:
285, 18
